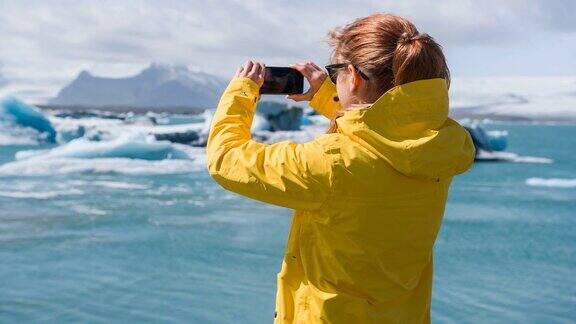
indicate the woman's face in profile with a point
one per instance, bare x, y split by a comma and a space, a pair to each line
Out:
348, 93
343, 87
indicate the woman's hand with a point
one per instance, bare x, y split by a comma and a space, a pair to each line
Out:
315, 76
252, 70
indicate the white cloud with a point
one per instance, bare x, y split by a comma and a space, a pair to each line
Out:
53, 40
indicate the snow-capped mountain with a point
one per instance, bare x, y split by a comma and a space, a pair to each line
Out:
159, 85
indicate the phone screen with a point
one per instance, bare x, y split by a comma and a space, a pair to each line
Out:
282, 80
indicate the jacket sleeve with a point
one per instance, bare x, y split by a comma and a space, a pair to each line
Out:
286, 174
325, 100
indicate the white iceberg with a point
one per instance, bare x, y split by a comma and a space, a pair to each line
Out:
127, 154
132, 146
552, 182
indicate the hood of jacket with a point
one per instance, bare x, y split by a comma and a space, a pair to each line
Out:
408, 126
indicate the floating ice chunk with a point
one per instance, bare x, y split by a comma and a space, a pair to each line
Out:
307, 133
18, 114
186, 137
207, 114
315, 120
119, 185
260, 123
494, 140
497, 139
510, 157
68, 134
132, 146
551, 182
43, 167
10, 135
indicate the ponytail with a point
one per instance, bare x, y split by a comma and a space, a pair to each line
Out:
418, 57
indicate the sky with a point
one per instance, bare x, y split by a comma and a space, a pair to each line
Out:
44, 44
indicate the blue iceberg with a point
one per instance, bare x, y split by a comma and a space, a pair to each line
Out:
66, 135
487, 141
19, 114
280, 116
498, 140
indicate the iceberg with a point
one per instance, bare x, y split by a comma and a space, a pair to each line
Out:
48, 167
185, 137
260, 123
280, 116
207, 117
10, 135
552, 182
17, 114
132, 146
487, 140
189, 134
68, 134
498, 140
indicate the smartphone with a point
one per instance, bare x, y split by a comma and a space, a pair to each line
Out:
282, 80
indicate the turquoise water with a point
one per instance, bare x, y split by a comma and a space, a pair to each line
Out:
99, 246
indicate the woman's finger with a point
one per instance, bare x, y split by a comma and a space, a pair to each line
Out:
300, 96
295, 97
310, 68
254, 68
302, 69
247, 67
317, 67
238, 71
262, 70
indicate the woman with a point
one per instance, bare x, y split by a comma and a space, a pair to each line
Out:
369, 195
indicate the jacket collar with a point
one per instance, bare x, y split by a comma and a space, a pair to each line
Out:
408, 126
403, 111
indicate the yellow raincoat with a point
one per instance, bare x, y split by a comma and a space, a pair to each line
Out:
369, 199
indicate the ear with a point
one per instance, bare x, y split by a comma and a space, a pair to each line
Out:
354, 79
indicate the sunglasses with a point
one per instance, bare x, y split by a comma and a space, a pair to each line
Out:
333, 71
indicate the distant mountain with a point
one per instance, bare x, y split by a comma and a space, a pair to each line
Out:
159, 85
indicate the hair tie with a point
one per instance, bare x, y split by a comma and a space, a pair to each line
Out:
408, 37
